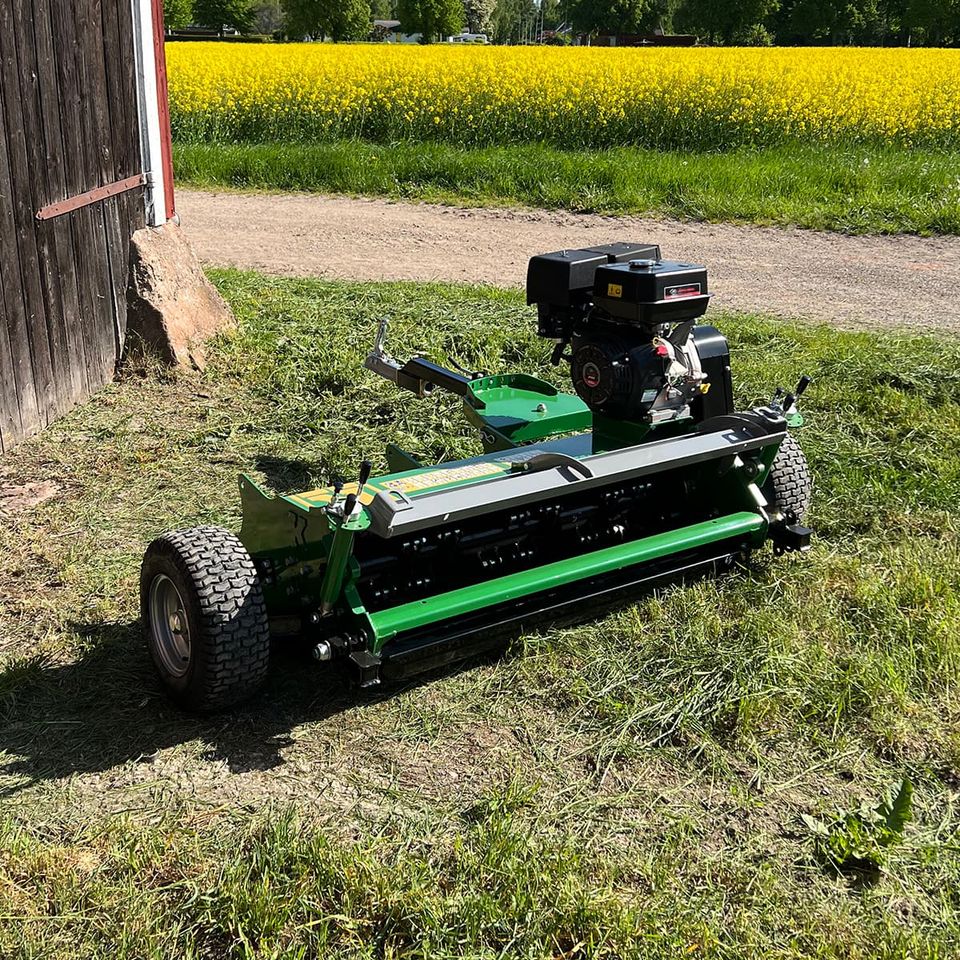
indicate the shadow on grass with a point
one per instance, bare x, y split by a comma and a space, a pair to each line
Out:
107, 708
284, 474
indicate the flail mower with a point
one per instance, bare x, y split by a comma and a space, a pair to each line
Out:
645, 474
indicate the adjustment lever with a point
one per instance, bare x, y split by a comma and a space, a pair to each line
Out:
790, 400
350, 503
470, 374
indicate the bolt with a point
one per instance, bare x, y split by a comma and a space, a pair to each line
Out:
541, 408
322, 651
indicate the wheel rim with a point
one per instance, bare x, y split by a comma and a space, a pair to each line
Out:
169, 626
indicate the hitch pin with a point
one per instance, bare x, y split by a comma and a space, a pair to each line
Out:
378, 344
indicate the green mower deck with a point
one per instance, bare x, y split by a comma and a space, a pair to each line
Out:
569, 509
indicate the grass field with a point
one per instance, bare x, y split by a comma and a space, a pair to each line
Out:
646, 785
856, 190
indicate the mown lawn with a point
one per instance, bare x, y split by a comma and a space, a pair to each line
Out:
856, 189
645, 785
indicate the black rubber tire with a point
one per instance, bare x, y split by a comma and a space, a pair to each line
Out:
789, 486
225, 612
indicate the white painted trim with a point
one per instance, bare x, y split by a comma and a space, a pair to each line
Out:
148, 107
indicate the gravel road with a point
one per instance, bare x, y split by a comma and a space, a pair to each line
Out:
891, 282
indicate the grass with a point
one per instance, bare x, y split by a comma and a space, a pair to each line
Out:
639, 786
852, 189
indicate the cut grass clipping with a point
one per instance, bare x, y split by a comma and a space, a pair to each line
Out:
688, 776
858, 190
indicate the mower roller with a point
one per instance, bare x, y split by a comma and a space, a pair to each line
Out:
644, 475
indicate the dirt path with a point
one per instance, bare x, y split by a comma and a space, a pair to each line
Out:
908, 282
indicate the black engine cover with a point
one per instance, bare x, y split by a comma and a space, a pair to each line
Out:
714, 355
651, 293
617, 374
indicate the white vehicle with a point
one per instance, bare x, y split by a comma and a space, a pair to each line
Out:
469, 38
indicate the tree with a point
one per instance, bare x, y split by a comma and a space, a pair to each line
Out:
937, 20
267, 16
725, 20
512, 19
177, 14
836, 21
301, 18
381, 10
431, 18
552, 15
347, 19
615, 16
337, 19
479, 15
218, 14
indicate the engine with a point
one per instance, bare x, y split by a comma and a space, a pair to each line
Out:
626, 320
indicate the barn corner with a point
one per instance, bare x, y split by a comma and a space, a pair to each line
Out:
172, 308
86, 186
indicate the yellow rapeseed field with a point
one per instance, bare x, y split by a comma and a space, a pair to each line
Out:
700, 98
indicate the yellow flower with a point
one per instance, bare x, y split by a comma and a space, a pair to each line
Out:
700, 98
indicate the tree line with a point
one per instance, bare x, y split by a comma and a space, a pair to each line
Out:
753, 22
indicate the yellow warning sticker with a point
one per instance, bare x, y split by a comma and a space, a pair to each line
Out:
420, 481
436, 478
614, 290
325, 494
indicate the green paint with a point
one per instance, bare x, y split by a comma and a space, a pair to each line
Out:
409, 616
521, 408
341, 548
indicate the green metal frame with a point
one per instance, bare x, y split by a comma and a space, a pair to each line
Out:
304, 547
410, 616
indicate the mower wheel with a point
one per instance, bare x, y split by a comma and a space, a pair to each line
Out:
204, 619
789, 485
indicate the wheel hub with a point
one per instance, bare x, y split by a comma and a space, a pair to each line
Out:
169, 627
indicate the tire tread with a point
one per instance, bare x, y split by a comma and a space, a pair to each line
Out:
233, 639
789, 484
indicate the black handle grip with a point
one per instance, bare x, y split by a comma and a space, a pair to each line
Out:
351, 501
549, 461
802, 385
365, 468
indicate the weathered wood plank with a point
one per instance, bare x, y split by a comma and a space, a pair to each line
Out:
107, 114
45, 164
78, 180
28, 254
128, 212
15, 369
97, 154
117, 106
59, 230
128, 85
119, 64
